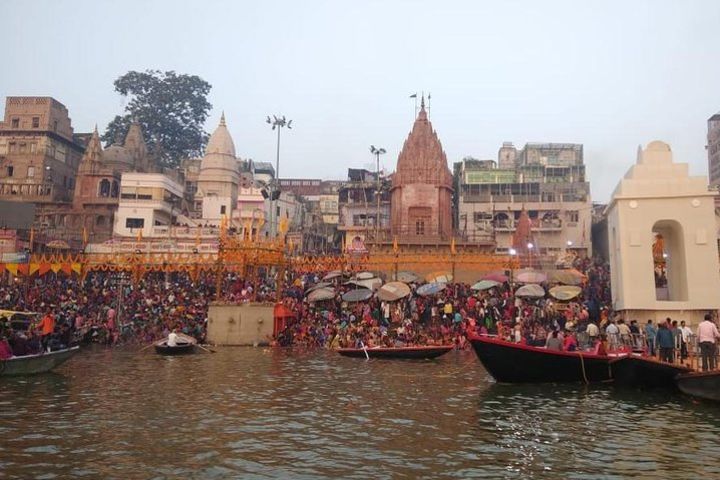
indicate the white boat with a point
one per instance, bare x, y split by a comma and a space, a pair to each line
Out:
38, 363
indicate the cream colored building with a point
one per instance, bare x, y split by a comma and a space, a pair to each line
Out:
147, 201
657, 197
219, 177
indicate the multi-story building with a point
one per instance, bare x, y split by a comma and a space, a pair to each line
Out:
713, 148
359, 219
39, 153
147, 201
547, 181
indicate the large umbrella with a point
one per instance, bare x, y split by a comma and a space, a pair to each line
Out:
332, 275
431, 288
530, 276
321, 294
393, 291
439, 277
530, 291
567, 277
407, 277
485, 285
317, 287
58, 244
565, 292
364, 275
496, 277
359, 295
370, 283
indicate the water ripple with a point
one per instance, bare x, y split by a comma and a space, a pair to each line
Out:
260, 413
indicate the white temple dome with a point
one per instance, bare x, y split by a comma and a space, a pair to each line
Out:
220, 141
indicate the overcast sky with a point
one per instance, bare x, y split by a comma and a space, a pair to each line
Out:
609, 75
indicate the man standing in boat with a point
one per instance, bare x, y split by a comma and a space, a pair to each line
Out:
708, 334
46, 327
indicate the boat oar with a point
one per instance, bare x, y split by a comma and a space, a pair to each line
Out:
367, 357
147, 346
206, 349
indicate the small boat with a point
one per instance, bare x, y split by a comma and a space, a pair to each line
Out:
38, 363
511, 362
429, 351
704, 385
639, 371
185, 344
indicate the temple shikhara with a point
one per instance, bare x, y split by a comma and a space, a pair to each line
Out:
421, 198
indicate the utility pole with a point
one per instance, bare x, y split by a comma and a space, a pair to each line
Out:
377, 152
277, 122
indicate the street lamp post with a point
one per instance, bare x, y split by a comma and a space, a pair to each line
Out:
377, 152
277, 123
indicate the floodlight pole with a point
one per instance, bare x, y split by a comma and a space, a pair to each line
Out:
277, 122
377, 152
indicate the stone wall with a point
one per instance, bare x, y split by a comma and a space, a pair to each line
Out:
240, 324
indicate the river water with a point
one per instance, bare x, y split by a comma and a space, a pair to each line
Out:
264, 413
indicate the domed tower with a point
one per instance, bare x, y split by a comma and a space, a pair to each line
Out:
219, 177
421, 198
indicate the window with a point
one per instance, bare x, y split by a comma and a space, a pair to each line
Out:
10, 170
573, 216
222, 209
277, 212
420, 227
31, 172
33, 148
13, 147
35, 122
104, 190
115, 189
15, 123
23, 147
134, 222
55, 126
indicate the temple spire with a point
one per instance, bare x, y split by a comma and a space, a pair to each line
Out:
222, 119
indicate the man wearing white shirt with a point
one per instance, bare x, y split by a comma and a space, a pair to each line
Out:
172, 339
685, 334
708, 334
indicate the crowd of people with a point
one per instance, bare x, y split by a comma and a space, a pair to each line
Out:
109, 309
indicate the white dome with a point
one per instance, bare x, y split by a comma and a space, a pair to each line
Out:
220, 141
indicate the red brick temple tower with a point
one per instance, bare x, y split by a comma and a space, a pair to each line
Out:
421, 195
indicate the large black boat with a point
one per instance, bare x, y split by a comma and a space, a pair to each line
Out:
634, 370
420, 352
704, 385
511, 362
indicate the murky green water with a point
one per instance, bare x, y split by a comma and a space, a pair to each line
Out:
261, 413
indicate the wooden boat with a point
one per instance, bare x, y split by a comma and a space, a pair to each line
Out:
640, 371
430, 351
38, 363
185, 344
704, 385
511, 362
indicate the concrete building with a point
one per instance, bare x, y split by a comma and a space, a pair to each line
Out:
358, 214
39, 153
249, 215
422, 186
147, 201
219, 177
713, 148
547, 181
663, 253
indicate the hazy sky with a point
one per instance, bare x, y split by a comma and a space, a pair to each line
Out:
610, 75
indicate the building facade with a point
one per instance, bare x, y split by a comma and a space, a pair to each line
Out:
147, 201
546, 181
360, 222
39, 153
713, 148
422, 186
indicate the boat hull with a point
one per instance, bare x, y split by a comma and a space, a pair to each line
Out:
397, 352
34, 364
704, 385
181, 349
513, 363
636, 371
